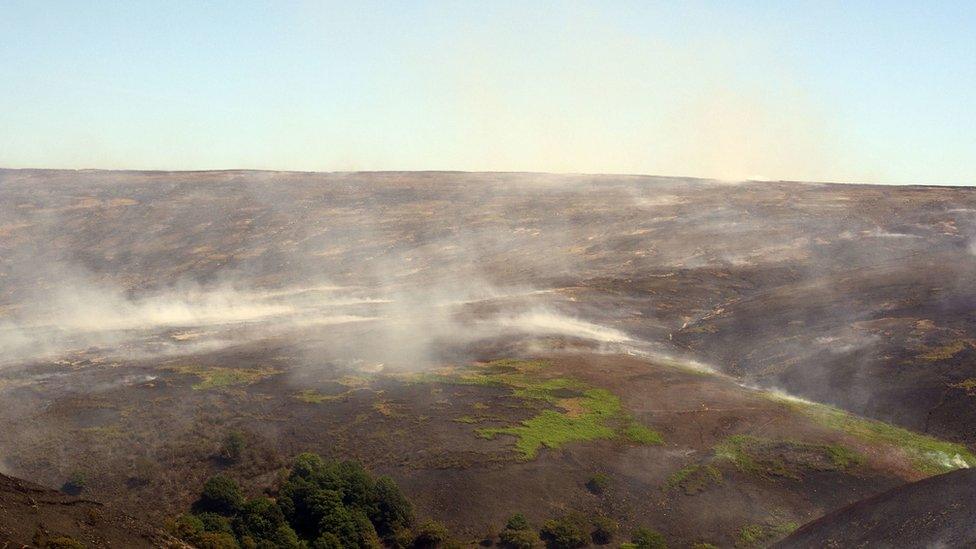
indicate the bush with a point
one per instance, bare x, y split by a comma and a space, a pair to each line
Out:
518, 539
598, 483
645, 538
429, 534
214, 540
604, 528
64, 542
221, 495
212, 522
75, 484
567, 532
232, 449
185, 526
517, 522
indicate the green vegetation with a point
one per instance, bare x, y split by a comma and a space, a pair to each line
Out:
704, 545
583, 413
64, 542
945, 352
640, 434
645, 538
76, 483
598, 483
221, 495
518, 534
312, 396
232, 448
755, 535
604, 529
321, 504
216, 377
566, 532
968, 385
774, 458
927, 454
429, 534
693, 479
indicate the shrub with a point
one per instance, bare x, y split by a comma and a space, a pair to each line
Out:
517, 522
185, 527
64, 542
76, 482
429, 534
221, 495
214, 540
518, 539
567, 532
233, 447
604, 528
598, 483
645, 538
212, 522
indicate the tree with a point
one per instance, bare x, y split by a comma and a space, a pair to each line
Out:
645, 538
567, 532
221, 495
392, 510
260, 519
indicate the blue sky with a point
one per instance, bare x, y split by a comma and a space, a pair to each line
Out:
842, 91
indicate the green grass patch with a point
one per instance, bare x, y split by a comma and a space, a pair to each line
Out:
312, 396
767, 458
467, 419
759, 535
693, 479
216, 377
944, 352
639, 434
927, 454
582, 413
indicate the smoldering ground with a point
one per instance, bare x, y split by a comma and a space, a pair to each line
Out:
785, 284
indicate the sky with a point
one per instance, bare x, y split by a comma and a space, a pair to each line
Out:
873, 92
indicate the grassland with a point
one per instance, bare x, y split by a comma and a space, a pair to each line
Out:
576, 412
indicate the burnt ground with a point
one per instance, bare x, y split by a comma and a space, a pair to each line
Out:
935, 512
31, 515
145, 315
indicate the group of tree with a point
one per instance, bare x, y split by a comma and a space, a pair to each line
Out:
322, 504
572, 531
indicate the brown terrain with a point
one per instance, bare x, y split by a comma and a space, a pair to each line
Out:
737, 360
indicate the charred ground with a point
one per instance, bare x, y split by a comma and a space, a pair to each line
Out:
436, 325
